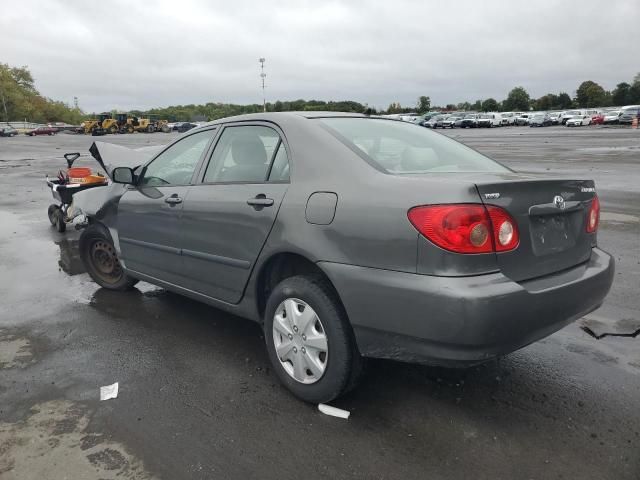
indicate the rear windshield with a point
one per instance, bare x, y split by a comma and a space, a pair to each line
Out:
402, 148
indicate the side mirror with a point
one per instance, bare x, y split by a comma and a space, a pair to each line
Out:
123, 175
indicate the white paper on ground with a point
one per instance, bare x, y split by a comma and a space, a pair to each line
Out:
333, 411
109, 391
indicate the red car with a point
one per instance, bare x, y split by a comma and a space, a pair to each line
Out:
41, 131
597, 119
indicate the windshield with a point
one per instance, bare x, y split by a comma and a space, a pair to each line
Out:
574, 112
401, 148
485, 116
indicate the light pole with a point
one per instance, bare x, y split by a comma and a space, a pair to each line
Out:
262, 75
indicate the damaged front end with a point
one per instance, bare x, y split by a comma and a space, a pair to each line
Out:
99, 204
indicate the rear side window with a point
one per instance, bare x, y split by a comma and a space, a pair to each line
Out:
403, 148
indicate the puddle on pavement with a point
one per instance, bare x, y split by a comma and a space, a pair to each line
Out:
14, 352
53, 442
70, 261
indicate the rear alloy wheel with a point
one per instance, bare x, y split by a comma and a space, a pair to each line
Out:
300, 341
309, 339
101, 260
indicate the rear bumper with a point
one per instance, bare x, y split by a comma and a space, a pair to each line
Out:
462, 321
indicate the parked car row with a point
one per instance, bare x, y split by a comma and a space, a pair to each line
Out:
8, 132
570, 118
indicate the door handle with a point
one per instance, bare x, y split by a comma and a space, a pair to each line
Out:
173, 200
260, 201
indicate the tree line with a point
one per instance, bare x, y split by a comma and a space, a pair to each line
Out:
20, 100
589, 94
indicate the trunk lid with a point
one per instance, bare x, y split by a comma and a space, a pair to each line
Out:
551, 217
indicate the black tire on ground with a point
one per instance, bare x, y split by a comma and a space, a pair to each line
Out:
60, 224
344, 363
101, 261
51, 213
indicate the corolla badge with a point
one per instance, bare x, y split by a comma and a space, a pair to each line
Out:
558, 201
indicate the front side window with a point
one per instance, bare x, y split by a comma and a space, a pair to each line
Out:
402, 148
242, 154
175, 166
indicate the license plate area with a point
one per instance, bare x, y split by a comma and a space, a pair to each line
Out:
553, 233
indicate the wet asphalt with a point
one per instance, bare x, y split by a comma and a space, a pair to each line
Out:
198, 398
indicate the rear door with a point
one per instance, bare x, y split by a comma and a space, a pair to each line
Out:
551, 217
227, 217
149, 213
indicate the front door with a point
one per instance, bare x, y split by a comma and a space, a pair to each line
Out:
227, 218
149, 213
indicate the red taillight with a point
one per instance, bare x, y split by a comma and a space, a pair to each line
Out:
505, 230
466, 228
593, 217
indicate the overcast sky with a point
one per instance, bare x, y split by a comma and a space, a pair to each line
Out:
141, 54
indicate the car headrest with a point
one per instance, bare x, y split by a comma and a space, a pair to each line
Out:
418, 159
248, 150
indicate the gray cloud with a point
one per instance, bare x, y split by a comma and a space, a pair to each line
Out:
122, 54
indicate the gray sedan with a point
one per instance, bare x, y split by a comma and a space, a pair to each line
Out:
348, 237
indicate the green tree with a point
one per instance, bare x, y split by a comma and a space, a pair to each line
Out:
590, 94
20, 100
634, 91
423, 105
564, 100
477, 106
489, 105
620, 94
549, 101
517, 100
464, 106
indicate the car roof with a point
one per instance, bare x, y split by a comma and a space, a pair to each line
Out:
275, 116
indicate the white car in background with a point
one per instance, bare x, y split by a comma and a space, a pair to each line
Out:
556, 117
489, 119
578, 120
508, 118
612, 117
570, 114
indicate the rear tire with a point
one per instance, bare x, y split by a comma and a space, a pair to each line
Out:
51, 213
341, 365
101, 261
60, 224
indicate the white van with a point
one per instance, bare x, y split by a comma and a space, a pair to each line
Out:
490, 119
508, 118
